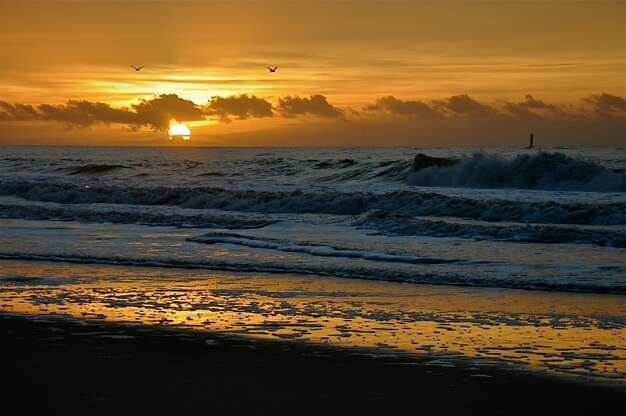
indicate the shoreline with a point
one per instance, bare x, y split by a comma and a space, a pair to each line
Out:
573, 335
57, 366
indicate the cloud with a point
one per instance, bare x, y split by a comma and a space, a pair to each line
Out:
84, 114
413, 109
18, 112
240, 107
606, 104
74, 113
316, 105
452, 107
466, 106
103, 113
532, 108
68, 114
155, 113
463, 106
159, 111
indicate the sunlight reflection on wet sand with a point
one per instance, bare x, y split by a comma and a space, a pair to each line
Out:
565, 333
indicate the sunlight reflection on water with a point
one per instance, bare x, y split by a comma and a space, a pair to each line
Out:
563, 333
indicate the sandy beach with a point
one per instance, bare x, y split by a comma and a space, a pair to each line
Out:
58, 367
576, 335
128, 341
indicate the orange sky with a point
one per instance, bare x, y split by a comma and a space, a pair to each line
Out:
349, 73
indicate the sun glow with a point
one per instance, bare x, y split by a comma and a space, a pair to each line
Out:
179, 131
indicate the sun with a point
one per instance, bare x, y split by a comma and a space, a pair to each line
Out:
179, 131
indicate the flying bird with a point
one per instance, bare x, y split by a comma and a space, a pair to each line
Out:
135, 68
272, 69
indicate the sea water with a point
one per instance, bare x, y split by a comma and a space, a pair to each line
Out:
543, 223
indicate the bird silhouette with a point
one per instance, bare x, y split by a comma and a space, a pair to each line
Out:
272, 69
135, 68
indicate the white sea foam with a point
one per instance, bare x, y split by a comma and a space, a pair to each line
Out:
334, 212
336, 269
324, 251
406, 202
388, 223
129, 214
543, 170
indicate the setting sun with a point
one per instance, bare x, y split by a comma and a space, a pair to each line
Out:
179, 130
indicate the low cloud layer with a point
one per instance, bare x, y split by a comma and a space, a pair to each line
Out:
463, 106
240, 107
466, 106
317, 105
532, 108
457, 106
155, 113
158, 112
18, 112
607, 104
412, 109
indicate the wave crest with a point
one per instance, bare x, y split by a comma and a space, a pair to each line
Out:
324, 202
545, 171
321, 269
387, 223
94, 169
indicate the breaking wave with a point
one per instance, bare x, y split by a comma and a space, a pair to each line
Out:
387, 223
315, 250
94, 169
408, 202
543, 170
383, 222
126, 216
414, 276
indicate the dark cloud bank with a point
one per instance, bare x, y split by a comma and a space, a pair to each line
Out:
156, 113
463, 106
239, 107
317, 105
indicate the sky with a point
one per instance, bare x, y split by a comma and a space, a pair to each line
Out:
354, 73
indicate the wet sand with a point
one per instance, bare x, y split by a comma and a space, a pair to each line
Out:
60, 367
568, 334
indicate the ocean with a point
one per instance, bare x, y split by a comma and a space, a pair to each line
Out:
512, 255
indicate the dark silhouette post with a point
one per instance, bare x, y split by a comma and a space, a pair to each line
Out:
531, 140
